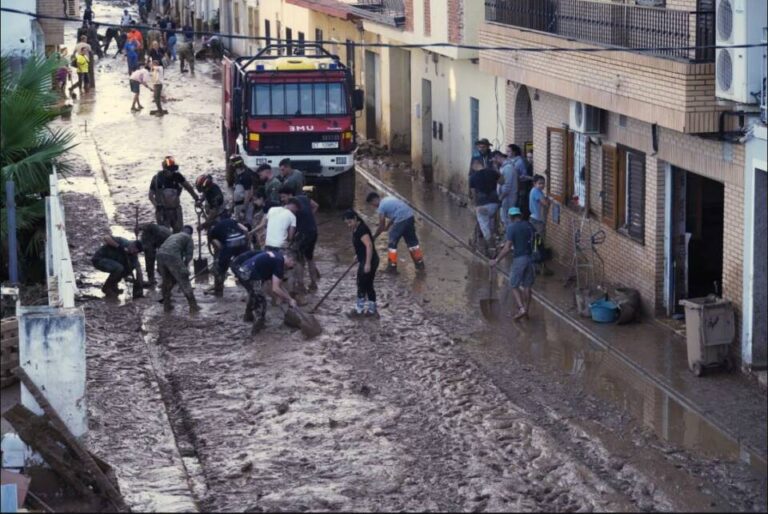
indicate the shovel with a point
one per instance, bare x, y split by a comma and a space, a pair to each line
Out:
201, 263
304, 321
490, 306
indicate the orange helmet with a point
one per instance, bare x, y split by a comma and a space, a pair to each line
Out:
203, 182
170, 164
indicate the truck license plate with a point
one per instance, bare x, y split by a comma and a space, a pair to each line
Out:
325, 144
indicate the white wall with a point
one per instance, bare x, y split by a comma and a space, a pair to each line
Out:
755, 158
17, 36
52, 352
453, 83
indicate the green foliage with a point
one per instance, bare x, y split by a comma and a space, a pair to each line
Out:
28, 147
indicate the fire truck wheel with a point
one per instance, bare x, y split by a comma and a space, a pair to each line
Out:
344, 195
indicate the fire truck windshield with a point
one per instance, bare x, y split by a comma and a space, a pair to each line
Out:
305, 99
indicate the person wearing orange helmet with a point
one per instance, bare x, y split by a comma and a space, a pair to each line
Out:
165, 195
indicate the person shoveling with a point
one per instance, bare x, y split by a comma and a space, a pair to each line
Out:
257, 271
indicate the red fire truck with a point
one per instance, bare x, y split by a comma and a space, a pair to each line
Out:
303, 107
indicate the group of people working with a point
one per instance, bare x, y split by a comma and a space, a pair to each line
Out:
266, 234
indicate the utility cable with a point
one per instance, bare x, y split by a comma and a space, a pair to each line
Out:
423, 46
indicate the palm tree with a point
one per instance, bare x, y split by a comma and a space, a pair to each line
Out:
28, 149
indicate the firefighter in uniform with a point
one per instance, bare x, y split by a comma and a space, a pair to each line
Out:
165, 195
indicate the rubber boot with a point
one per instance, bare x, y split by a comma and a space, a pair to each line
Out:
248, 316
417, 256
392, 260
194, 308
218, 285
372, 311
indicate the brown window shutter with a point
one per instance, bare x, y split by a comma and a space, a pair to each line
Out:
556, 163
635, 220
569, 160
610, 187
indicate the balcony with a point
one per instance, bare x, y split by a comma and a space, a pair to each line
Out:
674, 34
650, 64
385, 12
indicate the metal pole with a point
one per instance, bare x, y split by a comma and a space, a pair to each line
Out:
13, 263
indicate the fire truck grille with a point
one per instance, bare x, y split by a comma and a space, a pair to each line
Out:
277, 144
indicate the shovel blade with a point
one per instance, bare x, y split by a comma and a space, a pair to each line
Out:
201, 266
490, 308
304, 321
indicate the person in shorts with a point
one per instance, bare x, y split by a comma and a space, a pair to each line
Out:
139, 78
538, 202
519, 240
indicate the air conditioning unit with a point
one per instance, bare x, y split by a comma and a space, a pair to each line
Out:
737, 70
585, 118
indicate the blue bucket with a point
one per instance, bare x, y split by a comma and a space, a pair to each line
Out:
604, 311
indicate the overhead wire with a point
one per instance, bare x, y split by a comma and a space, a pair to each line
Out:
454, 46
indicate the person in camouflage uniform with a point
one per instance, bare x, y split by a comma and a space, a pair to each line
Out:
152, 237
173, 259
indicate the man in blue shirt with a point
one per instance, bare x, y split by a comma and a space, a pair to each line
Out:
259, 270
519, 240
538, 203
397, 217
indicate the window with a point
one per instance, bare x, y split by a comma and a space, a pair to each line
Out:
289, 40
251, 21
267, 33
318, 36
350, 48
325, 99
300, 49
632, 184
581, 170
623, 192
236, 16
559, 163
474, 121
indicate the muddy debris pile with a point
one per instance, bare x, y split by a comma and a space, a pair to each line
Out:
371, 148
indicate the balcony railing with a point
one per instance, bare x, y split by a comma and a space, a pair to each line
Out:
676, 34
387, 12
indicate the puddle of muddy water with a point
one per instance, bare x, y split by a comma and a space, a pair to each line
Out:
546, 341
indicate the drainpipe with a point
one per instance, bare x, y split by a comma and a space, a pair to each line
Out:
13, 262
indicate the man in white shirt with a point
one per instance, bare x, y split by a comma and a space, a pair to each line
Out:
138, 78
125, 20
281, 227
157, 87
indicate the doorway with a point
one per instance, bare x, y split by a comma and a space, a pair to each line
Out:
372, 87
426, 130
523, 128
696, 237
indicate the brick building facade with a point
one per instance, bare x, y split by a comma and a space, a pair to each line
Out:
654, 176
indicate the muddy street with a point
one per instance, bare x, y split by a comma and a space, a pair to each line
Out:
425, 408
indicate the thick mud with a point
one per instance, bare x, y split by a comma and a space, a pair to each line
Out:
408, 412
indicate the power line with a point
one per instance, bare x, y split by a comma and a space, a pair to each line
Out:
410, 46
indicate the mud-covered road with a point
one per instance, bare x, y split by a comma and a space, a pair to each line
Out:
422, 409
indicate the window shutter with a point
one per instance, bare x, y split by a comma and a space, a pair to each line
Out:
556, 163
568, 173
635, 221
610, 189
